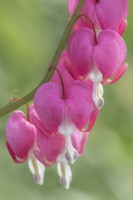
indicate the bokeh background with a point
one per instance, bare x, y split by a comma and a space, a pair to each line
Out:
29, 34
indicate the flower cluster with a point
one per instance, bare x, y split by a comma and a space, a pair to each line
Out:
65, 109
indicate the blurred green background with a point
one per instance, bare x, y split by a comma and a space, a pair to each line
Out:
29, 34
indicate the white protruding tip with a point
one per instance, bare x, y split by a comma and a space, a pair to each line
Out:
37, 169
71, 153
98, 95
96, 77
65, 174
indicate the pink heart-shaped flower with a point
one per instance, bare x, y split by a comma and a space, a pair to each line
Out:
69, 112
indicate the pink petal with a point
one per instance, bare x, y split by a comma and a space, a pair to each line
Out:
80, 50
40, 157
106, 13
20, 134
109, 53
88, 8
72, 4
120, 72
66, 76
49, 105
122, 27
49, 147
37, 122
83, 21
71, 70
79, 140
32, 113
110, 13
79, 103
14, 157
34, 119
54, 110
93, 118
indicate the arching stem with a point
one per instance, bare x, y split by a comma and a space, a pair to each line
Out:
12, 106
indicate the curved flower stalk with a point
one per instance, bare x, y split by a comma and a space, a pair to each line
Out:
29, 97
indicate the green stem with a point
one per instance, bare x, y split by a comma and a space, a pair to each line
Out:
12, 106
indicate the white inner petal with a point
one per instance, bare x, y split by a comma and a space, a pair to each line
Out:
96, 77
37, 169
61, 158
67, 128
65, 174
98, 95
71, 153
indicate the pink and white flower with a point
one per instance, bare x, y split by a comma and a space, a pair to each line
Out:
103, 13
97, 60
21, 141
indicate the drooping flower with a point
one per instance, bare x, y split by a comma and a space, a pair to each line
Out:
64, 113
20, 136
98, 60
21, 140
103, 13
107, 55
52, 150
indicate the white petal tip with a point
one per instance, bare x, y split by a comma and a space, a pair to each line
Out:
65, 175
100, 103
38, 180
64, 184
37, 169
71, 157
71, 153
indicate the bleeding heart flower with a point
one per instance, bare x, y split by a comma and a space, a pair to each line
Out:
52, 150
65, 113
20, 136
55, 150
21, 140
97, 60
103, 13
107, 55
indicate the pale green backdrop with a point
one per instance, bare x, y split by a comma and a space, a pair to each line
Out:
29, 34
